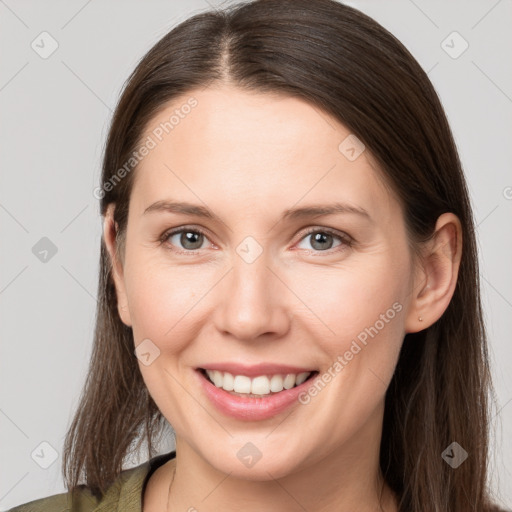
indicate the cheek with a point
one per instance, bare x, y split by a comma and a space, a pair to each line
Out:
164, 301
348, 298
358, 311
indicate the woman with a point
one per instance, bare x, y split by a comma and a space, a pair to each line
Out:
288, 277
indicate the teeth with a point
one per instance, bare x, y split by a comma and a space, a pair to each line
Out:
301, 377
242, 384
261, 385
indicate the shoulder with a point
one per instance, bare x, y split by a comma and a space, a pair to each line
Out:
124, 494
81, 500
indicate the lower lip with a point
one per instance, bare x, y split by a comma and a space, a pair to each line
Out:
252, 409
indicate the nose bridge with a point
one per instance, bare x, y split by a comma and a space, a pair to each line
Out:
252, 278
254, 299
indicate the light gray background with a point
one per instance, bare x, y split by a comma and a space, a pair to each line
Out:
54, 119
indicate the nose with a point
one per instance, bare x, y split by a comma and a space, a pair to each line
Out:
253, 300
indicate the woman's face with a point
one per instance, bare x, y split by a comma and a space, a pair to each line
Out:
257, 288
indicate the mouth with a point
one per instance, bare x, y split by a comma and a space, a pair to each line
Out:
260, 386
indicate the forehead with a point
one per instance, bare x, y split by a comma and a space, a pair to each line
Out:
252, 150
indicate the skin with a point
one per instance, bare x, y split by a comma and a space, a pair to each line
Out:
248, 157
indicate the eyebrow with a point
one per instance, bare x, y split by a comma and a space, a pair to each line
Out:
290, 214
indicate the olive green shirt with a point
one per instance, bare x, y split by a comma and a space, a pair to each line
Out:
124, 495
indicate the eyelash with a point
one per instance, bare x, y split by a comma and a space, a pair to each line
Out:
346, 240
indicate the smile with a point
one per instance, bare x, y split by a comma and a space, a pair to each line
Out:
254, 398
257, 386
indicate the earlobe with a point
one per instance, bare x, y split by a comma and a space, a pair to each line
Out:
109, 236
437, 278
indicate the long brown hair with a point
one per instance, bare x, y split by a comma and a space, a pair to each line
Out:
346, 64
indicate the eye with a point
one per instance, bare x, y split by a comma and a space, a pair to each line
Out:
321, 239
191, 239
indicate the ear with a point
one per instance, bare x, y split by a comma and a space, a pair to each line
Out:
109, 235
437, 274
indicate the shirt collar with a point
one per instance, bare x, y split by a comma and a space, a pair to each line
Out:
126, 493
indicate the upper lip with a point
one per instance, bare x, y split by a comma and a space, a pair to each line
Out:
255, 370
